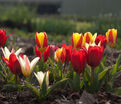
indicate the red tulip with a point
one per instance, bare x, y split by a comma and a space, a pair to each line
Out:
102, 40
45, 53
94, 56
13, 64
68, 52
3, 38
79, 60
41, 40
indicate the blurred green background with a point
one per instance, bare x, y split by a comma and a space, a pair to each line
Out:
26, 18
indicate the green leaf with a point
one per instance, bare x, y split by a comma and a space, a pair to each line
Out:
44, 87
76, 81
117, 91
57, 85
116, 65
33, 89
102, 74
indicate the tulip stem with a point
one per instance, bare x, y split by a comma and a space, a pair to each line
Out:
16, 79
111, 57
64, 67
92, 74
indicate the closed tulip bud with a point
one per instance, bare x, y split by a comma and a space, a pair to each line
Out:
41, 40
68, 50
26, 66
60, 55
13, 63
77, 40
7, 53
3, 38
40, 77
45, 53
102, 40
111, 36
94, 54
89, 38
52, 50
79, 60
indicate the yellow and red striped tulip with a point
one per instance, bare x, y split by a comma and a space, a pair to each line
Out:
77, 40
26, 66
111, 36
89, 38
41, 40
60, 55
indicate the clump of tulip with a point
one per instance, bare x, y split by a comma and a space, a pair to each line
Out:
80, 64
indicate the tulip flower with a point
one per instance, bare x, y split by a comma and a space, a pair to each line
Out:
94, 54
13, 63
77, 40
7, 53
45, 53
89, 38
102, 40
111, 36
41, 40
68, 52
79, 60
3, 37
26, 66
60, 55
52, 50
40, 77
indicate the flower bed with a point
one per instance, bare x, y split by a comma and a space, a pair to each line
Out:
69, 71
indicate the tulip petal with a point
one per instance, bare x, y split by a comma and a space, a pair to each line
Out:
33, 63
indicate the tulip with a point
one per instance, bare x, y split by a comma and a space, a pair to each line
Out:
52, 50
89, 38
77, 40
79, 60
94, 54
45, 53
111, 36
41, 40
68, 52
3, 37
13, 63
7, 53
26, 66
102, 40
60, 55
40, 77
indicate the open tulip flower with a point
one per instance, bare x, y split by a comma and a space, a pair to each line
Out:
40, 77
102, 40
13, 63
89, 38
79, 60
77, 40
60, 55
94, 54
41, 40
111, 36
45, 53
7, 53
3, 37
26, 66
68, 52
